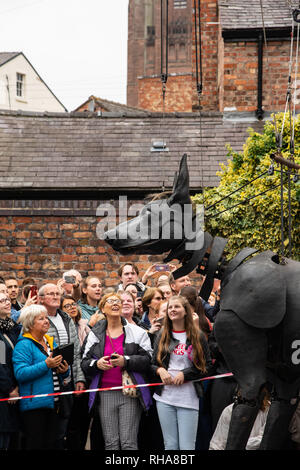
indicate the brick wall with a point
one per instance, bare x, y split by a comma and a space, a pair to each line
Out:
229, 72
209, 52
45, 246
178, 95
240, 75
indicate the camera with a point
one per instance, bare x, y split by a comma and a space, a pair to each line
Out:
70, 279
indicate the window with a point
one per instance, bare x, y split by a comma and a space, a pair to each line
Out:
20, 85
180, 3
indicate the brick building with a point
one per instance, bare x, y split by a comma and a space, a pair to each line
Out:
241, 73
56, 169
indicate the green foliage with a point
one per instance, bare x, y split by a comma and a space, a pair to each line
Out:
255, 221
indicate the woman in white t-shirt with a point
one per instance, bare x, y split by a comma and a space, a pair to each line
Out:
180, 358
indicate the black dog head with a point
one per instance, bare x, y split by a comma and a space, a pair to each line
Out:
163, 225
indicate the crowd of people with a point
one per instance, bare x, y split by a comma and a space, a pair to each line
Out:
153, 330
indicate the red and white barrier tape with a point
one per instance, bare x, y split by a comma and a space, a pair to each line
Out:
105, 389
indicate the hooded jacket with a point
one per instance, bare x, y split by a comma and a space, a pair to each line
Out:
137, 354
32, 373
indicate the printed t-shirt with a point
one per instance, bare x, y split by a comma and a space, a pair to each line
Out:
183, 395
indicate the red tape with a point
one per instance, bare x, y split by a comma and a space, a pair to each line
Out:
75, 392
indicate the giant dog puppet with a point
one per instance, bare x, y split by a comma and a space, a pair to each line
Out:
258, 325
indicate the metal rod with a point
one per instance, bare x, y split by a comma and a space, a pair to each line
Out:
285, 162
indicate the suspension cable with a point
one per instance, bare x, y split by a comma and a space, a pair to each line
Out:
199, 83
236, 190
244, 201
164, 28
268, 71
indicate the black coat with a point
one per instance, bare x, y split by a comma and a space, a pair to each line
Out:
137, 354
9, 413
191, 373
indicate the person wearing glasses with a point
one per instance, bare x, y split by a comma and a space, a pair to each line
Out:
151, 301
78, 425
63, 330
38, 372
69, 305
114, 345
9, 332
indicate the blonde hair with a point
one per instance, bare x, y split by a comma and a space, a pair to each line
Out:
29, 314
105, 297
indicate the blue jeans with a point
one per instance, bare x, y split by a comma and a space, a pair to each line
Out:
178, 425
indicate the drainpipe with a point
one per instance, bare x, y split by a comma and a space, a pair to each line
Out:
259, 111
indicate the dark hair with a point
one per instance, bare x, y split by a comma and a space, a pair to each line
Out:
120, 270
70, 297
28, 281
190, 293
132, 284
10, 276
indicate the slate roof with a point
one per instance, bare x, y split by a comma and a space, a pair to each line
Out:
113, 106
6, 56
83, 151
240, 14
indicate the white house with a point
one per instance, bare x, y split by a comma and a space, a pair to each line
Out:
21, 87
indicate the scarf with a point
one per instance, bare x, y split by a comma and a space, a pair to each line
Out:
6, 324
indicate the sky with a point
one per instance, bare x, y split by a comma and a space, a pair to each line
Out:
78, 47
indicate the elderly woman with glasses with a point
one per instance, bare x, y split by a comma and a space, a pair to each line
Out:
112, 347
38, 372
9, 332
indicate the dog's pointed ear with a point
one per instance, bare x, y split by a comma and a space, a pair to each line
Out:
181, 193
175, 181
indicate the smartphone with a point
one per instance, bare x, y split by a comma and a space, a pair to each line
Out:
33, 291
70, 279
162, 267
114, 356
159, 320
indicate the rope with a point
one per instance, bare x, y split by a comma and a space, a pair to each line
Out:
236, 190
164, 63
199, 84
279, 137
244, 201
79, 392
268, 71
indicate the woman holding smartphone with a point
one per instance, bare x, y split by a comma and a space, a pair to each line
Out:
114, 345
180, 358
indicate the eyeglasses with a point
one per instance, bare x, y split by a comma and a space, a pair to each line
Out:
53, 294
3, 301
114, 301
69, 306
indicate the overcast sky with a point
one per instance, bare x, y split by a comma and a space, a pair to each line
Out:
78, 47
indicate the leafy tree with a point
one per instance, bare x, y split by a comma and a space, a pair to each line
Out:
252, 215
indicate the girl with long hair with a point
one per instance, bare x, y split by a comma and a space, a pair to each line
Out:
180, 358
190, 293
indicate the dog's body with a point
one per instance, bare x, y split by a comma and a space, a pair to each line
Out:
258, 325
